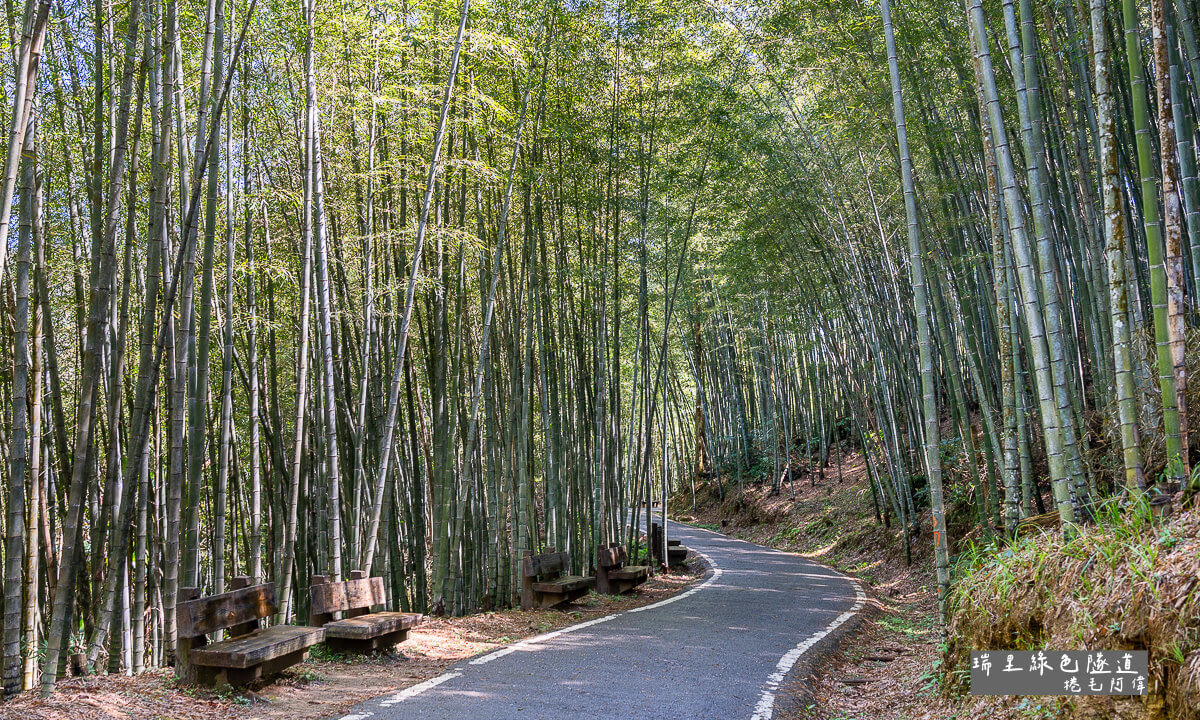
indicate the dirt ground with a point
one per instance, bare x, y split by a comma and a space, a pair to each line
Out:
326, 685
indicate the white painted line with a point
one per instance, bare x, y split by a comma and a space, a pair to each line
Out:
766, 702
419, 688
529, 642
765, 708
355, 716
716, 573
525, 644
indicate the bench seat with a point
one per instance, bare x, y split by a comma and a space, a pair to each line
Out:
365, 627
630, 572
360, 630
258, 647
545, 582
565, 584
613, 576
677, 554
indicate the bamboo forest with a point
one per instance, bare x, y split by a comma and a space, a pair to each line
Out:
819, 317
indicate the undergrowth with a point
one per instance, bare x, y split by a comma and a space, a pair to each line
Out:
1126, 582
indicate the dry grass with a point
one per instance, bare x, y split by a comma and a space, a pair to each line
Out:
1125, 583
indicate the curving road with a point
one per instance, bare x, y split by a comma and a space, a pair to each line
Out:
716, 652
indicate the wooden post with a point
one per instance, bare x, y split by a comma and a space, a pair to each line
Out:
603, 556
656, 536
318, 619
527, 581
184, 645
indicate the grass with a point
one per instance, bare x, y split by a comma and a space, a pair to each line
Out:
321, 651
1037, 708
911, 624
1125, 580
306, 676
231, 694
785, 536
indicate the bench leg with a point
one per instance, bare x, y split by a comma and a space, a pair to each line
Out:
220, 677
546, 600
382, 643
529, 598
603, 585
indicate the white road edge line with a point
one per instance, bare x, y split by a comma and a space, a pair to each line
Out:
537, 639
765, 708
716, 573
415, 690
766, 702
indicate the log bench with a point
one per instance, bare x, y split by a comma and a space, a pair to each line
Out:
613, 576
676, 552
545, 582
360, 630
251, 652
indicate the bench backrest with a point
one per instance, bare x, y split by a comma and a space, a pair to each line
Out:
198, 616
549, 565
614, 556
656, 540
353, 594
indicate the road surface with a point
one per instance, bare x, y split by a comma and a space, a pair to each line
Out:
717, 651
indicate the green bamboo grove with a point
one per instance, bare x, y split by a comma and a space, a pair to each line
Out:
416, 286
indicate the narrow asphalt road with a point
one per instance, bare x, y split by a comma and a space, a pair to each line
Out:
718, 651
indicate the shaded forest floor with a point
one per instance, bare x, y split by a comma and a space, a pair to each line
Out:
327, 684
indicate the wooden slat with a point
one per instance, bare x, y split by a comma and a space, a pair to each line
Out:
546, 564
237, 583
611, 557
334, 597
565, 584
365, 627
209, 614
606, 557
258, 647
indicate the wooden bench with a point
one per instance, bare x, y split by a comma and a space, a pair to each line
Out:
676, 552
545, 584
613, 576
360, 630
251, 652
